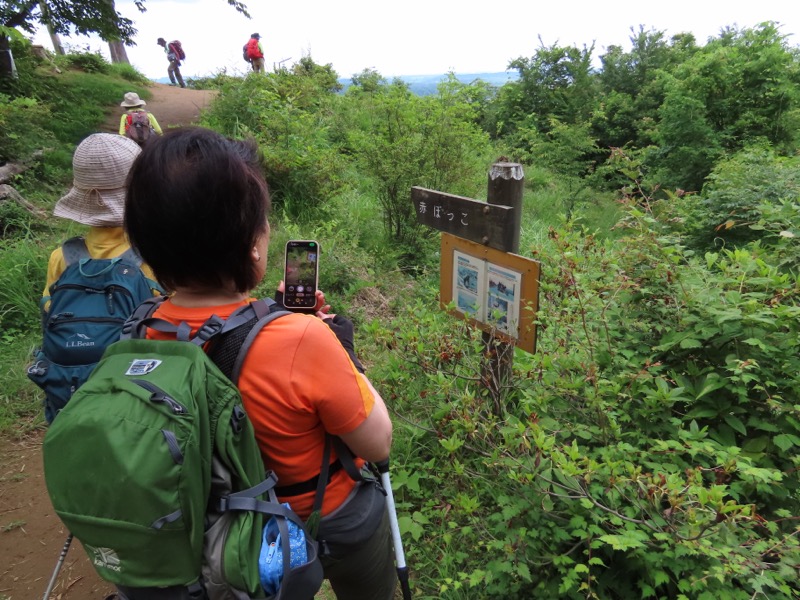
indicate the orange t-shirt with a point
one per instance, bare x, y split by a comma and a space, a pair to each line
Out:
297, 382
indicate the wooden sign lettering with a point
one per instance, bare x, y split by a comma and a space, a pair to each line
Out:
486, 224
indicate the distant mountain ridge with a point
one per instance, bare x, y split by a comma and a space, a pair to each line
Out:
424, 85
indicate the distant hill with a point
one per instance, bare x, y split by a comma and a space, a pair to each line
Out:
423, 85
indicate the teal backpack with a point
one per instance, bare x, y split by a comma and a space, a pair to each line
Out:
89, 303
154, 467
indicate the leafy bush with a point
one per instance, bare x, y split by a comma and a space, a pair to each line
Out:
129, 73
14, 220
84, 60
736, 190
24, 268
648, 450
217, 81
23, 123
401, 140
285, 113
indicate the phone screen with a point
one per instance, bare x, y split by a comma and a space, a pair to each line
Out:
300, 274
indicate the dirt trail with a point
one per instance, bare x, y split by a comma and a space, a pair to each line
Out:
172, 106
31, 535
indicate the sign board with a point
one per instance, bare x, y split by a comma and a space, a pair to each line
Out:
492, 225
496, 291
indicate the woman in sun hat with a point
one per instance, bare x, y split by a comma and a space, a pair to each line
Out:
100, 168
134, 105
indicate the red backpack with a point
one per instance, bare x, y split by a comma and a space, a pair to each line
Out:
252, 49
177, 49
138, 127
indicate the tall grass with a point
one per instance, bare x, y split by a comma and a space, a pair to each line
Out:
23, 263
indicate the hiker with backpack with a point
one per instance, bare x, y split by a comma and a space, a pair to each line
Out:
196, 211
175, 54
254, 53
137, 123
77, 326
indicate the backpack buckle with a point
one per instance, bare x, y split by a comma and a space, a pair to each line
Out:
237, 416
209, 329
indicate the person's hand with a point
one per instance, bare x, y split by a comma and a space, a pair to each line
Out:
344, 330
320, 308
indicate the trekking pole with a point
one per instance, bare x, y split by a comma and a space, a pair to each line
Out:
60, 562
399, 556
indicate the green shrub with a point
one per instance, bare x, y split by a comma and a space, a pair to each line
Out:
129, 73
23, 123
24, 268
285, 113
648, 449
217, 81
401, 140
731, 201
84, 60
14, 220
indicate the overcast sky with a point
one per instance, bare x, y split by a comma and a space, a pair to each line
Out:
416, 37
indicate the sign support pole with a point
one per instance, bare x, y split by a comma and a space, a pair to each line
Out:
506, 186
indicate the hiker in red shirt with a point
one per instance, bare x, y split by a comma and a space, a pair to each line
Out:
255, 52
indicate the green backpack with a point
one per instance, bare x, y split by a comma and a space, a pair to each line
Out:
154, 467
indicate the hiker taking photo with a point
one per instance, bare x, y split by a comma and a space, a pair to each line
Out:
196, 211
137, 123
175, 54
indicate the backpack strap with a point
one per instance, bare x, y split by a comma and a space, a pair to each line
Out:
229, 353
134, 328
132, 257
74, 250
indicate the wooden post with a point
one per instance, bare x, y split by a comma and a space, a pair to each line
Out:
506, 187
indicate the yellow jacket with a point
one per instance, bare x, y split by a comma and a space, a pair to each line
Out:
123, 122
101, 242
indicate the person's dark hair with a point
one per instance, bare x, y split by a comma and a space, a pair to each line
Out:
197, 203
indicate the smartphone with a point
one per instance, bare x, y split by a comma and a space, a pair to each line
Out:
300, 275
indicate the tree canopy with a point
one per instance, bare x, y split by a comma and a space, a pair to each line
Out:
78, 16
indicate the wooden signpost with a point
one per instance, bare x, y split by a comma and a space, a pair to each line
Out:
490, 285
495, 291
481, 277
487, 224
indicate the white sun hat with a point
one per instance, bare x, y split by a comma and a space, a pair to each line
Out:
100, 168
131, 100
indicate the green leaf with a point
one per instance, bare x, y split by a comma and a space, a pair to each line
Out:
755, 445
621, 542
736, 424
711, 384
785, 441
690, 343
660, 578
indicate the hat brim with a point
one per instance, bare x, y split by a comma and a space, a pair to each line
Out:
128, 105
97, 208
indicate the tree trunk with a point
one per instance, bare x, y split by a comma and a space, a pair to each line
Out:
7, 66
118, 53
57, 47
